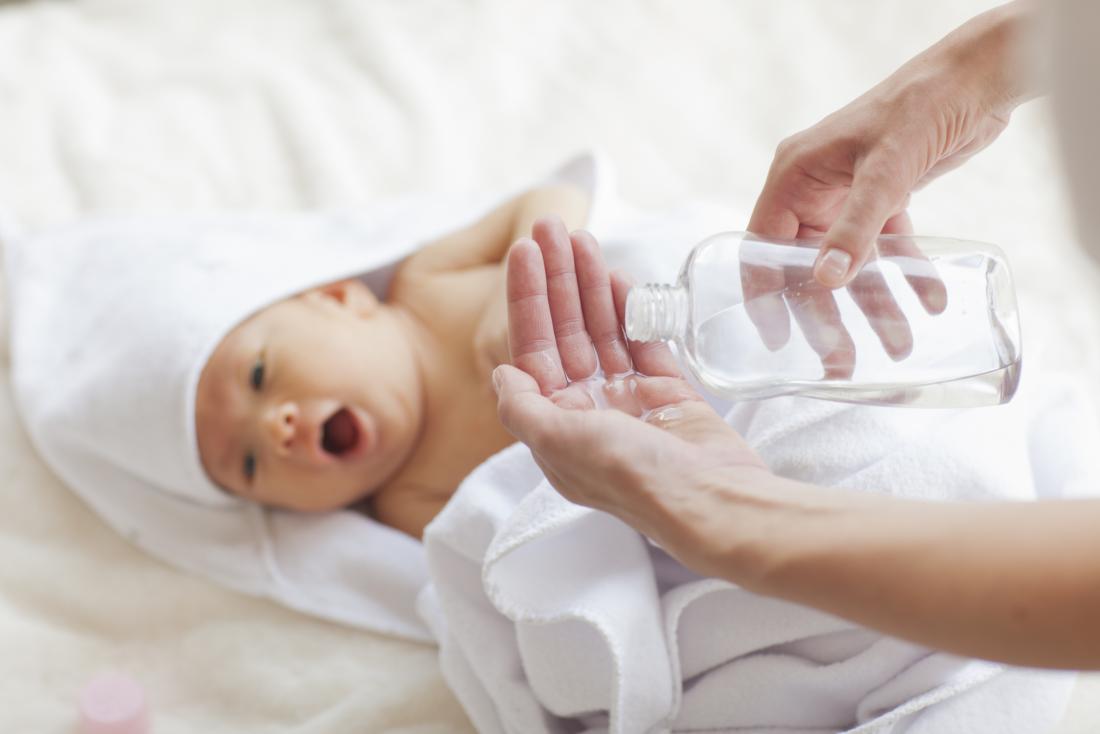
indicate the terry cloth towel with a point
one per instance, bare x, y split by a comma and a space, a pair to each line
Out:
111, 324
556, 618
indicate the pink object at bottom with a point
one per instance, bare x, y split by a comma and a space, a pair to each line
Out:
112, 703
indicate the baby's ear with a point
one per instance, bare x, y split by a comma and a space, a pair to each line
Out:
351, 294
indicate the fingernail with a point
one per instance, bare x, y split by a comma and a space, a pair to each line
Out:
497, 378
832, 267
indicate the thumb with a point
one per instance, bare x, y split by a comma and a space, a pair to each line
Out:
522, 408
876, 194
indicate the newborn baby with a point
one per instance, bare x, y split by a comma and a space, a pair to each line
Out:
333, 398
278, 402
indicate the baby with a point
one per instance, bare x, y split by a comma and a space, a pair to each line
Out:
333, 398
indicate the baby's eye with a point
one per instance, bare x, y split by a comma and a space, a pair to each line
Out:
256, 377
249, 466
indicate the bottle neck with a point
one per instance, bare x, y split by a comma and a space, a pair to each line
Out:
656, 312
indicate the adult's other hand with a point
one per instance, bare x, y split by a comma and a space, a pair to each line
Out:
658, 449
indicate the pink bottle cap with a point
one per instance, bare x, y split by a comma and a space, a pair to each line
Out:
113, 703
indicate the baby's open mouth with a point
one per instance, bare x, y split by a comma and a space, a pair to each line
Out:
340, 435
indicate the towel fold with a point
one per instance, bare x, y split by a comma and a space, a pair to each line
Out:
556, 618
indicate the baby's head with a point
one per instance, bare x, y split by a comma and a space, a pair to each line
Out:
114, 323
312, 403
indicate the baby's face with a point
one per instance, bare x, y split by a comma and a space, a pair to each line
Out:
312, 403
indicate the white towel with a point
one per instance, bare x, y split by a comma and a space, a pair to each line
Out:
111, 324
555, 618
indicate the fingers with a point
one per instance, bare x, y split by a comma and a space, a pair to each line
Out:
900, 224
649, 358
877, 192
772, 217
522, 408
873, 297
574, 345
816, 312
561, 303
922, 275
576, 396
531, 337
559, 439
598, 305
762, 283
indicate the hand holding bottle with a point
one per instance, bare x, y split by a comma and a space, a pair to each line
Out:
774, 294
927, 322
849, 177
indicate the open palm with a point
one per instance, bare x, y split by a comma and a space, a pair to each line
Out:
641, 444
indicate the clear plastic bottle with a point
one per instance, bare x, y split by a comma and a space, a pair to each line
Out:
928, 322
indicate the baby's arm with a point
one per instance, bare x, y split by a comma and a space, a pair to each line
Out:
486, 241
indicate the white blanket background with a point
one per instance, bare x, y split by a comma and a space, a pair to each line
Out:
128, 106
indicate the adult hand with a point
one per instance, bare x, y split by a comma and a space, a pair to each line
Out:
850, 176
775, 293
651, 457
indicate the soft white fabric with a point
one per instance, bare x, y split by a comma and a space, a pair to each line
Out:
139, 106
112, 323
549, 612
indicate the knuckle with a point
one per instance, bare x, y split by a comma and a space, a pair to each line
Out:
788, 148
569, 326
535, 346
608, 338
884, 157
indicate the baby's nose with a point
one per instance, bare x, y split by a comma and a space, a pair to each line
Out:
282, 425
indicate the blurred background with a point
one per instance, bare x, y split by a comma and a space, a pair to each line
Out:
126, 106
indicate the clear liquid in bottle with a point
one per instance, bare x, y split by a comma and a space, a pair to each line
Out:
927, 322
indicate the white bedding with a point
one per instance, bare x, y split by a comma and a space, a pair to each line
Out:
125, 106
555, 618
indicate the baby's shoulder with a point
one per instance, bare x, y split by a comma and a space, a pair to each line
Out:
454, 292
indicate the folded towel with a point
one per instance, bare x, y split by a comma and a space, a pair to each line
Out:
112, 322
554, 618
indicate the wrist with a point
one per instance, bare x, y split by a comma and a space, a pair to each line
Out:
776, 536
988, 53
736, 523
